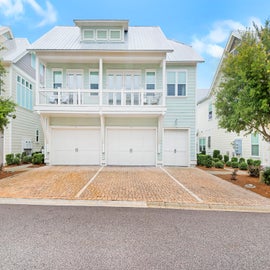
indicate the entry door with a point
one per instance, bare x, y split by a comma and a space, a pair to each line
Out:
175, 147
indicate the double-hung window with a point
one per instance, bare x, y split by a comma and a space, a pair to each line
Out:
150, 80
176, 83
202, 145
57, 79
94, 82
254, 145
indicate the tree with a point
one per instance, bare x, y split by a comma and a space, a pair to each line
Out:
243, 98
7, 106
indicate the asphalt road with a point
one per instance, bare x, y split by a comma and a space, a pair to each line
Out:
51, 237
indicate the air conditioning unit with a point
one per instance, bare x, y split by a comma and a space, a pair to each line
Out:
27, 145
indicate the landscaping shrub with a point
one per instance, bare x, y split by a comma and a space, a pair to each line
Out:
216, 159
216, 153
26, 159
16, 160
235, 164
208, 161
241, 160
201, 159
234, 159
257, 162
10, 159
226, 158
220, 157
228, 163
243, 166
266, 176
219, 164
38, 158
250, 161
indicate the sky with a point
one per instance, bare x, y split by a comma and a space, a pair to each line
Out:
203, 24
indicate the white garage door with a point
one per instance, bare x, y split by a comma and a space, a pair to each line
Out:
131, 147
75, 146
175, 147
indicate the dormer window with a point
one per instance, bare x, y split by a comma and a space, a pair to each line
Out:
115, 35
88, 34
101, 34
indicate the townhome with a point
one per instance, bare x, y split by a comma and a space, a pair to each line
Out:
24, 133
210, 136
115, 94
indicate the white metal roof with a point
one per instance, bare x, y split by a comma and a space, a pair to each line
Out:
182, 53
136, 39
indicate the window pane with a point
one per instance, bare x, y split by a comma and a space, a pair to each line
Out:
57, 79
150, 80
88, 34
171, 77
115, 34
137, 81
181, 90
101, 34
171, 89
181, 77
110, 81
254, 138
94, 80
119, 82
128, 82
255, 150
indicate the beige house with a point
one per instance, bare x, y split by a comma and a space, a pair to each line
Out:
24, 133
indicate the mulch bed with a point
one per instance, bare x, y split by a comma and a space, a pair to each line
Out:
4, 174
242, 180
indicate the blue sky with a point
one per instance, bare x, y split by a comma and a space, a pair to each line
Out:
204, 24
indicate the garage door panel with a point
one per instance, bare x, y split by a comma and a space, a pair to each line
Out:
131, 147
175, 148
75, 146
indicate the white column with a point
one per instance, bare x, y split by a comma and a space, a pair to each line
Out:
164, 82
102, 131
37, 80
100, 83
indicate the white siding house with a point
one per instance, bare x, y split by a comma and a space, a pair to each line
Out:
24, 133
211, 137
116, 95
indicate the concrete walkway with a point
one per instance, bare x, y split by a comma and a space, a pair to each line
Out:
186, 188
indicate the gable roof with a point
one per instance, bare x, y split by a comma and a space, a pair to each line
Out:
13, 48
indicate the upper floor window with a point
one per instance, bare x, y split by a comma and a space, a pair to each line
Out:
24, 93
210, 111
255, 144
33, 60
57, 79
94, 80
101, 34
115, 35
150, 80
176, 83
88, 34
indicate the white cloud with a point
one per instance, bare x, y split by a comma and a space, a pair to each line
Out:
16, 8
212, 44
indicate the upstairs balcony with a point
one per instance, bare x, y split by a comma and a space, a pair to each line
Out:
140, 101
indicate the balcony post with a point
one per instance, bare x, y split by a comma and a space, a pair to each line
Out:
163, 81
37, 81
100, 82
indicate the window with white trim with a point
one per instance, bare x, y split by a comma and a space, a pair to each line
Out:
202, 145
88, 34
101, 34
37, 136
176, 83
255, 145
150, 80
57, 79
210, 111
94, 81
24, 93
115, 35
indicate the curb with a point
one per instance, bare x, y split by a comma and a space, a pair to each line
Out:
137, 204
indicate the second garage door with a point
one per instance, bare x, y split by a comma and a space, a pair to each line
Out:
131, 147
75, 146
175, 151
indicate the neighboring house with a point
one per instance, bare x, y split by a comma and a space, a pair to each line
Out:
116, 95
24, 133
211, 137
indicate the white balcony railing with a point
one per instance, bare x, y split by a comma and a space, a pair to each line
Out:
87, 97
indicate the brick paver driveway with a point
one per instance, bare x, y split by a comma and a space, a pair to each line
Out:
158, 186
